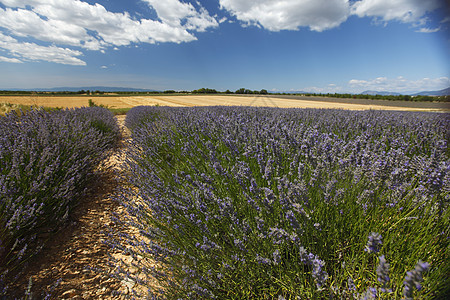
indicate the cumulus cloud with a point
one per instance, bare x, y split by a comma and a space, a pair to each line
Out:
34, 52
319, 15
76, 23
26, 23
407, 11
174, 13
10, 60
278, 15
93, 27
399, 84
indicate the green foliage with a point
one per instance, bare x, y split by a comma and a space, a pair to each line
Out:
119, 111
204, 91
247, 91
93, 104
418, 98
205, 196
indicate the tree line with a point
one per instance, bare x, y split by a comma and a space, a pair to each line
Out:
241, 91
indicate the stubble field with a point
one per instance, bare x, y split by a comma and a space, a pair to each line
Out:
224, 100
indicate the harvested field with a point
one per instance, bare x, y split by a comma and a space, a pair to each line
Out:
226, 100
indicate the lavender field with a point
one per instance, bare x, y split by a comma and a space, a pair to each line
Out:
264, 203
46, 163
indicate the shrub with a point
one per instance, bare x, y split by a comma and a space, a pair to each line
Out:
261, 203
46, 162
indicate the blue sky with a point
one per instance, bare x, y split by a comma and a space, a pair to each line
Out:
278, 45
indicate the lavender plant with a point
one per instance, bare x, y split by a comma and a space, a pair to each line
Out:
46, 162
240, 203
414, 279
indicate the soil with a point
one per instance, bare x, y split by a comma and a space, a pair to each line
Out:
64, 266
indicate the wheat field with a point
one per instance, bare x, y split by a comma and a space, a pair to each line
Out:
223, 100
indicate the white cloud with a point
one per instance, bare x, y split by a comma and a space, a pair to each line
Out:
93, 27
407, 11
399, 84
319, 15
68, 21
26, 23
10, 60
276, 15
174, 12
382, 84
428, 30
104, 67
34, 52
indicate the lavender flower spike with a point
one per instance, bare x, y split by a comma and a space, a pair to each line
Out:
383, 273
414, 278
374, 243
319, 273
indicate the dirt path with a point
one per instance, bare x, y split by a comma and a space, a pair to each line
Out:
62, 268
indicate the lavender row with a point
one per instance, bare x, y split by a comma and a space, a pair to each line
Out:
262, 203
46, 160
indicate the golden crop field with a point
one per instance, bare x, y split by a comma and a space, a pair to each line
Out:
225, 100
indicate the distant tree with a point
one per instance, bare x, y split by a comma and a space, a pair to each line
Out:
228, 92
263, 92
204, 91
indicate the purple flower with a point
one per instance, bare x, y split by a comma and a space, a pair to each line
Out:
414, 278
276, 257
292, 219
250, 178
351, 284
319, 273
262, 260
383, 272
46, 162
370, 293
374, 242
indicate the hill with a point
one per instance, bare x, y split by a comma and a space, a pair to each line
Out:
85, 88
443, 92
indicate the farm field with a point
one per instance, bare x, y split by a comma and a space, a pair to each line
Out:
281, 203
224, 100
262, 203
